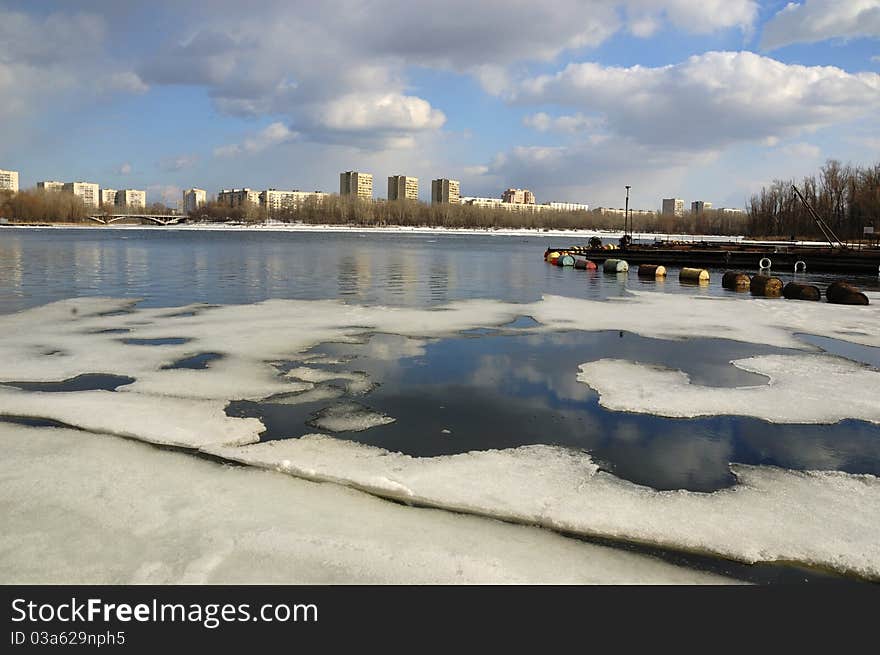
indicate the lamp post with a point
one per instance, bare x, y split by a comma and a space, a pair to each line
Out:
626, 212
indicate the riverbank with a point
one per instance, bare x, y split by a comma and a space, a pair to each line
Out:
605, 235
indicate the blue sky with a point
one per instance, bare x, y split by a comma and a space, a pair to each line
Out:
572, 99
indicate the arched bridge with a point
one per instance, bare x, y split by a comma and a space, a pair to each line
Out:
158, 219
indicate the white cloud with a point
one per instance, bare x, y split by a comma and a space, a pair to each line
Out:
820, 20
269, 64
710, 100
126, 82
801, 151
167, 194
43, 57
543, 122
178, 163
272, 135
123, 169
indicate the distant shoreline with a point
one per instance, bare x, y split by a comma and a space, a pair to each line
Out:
386, 229
610, 235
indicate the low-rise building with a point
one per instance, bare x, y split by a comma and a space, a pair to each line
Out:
193, 199
732, 210
355, 183
9, 181
89, 192
132, 198
238, 197
567, 206
275, 200
475, 201
403, 187
444, 190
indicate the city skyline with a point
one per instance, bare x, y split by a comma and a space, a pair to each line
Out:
710, 100
351, 182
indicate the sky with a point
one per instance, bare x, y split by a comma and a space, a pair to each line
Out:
573, 99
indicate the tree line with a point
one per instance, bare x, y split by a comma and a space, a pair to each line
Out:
49, 206
846, 197
343, 210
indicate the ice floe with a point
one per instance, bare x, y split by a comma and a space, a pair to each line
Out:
801, 389
113, 511
821, 518
348, 417
161, 420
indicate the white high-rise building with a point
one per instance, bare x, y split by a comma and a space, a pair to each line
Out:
238, 197
193, 199
355, 183
403, 187
699, 206
9, 181
133, 198
673, 207
108, 197
89, 192
50, 185
444, 190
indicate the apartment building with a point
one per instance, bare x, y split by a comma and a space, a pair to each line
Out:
699, 206
108, 197
238, 197
89, 192
50, 185
518, 197
567, 206
193, 199
403, 187
444, 190
673, 207
9, 181
274, 200
355, 183
132, 198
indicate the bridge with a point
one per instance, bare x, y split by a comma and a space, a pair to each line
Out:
158, 219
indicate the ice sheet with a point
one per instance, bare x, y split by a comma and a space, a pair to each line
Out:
825, 519
113, 511
769, 321
349, 417
801, 389
158, 419
828, 519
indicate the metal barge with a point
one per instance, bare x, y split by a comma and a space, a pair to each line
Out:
730, 255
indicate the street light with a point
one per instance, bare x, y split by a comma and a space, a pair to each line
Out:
626, 212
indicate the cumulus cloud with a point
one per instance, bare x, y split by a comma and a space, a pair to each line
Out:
596, 172
543, 122
820, 20
168, 194
178, 163
710, 100
271, 135
339, 73
44, 56
126, 82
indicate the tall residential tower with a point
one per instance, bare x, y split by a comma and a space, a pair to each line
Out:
354, 183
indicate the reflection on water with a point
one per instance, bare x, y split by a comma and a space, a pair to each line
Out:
173, 267
506, 389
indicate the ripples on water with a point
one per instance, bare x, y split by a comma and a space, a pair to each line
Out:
178, 267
